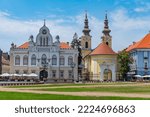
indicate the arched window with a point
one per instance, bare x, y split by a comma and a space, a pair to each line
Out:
25, 60
40, 41
70, 60
86, 44
43, 41
54, 60
62, 60
43, 59
47, 41
17, 60
33, 60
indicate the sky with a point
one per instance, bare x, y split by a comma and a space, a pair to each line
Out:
129, 20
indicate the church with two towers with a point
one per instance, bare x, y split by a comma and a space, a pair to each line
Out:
100, 63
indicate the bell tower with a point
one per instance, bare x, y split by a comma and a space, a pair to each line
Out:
86, 38
106, 38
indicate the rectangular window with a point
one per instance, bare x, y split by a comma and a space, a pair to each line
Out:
61, 74
54, 60
70, 60
145, 64
145, 54
54, 73
17, 60
70, 74
62, 61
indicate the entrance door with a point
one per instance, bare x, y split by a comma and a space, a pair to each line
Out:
107, 75
43, 74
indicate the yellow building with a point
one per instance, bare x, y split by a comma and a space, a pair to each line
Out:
101, 63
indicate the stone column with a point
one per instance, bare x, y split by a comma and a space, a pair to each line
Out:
113, 73
102, 73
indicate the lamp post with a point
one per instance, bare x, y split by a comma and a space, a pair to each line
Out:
45, 66
73, 66
81, 67
0, 61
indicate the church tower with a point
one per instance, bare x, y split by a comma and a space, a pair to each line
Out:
106, 38
86, 38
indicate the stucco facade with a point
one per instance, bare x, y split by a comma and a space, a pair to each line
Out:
45, 57
101, 63
140, 54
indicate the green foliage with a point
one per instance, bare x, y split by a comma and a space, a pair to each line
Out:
124, 60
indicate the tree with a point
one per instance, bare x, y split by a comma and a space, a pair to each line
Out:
76, 43
124, 60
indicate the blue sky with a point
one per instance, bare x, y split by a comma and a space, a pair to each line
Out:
128, 19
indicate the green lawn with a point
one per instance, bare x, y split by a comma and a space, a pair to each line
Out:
30, 96
119, 89
102, 87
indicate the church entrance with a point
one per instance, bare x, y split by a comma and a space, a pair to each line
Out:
107, 72
107, 75
43, 75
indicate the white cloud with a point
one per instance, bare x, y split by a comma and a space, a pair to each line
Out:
2, 13
143, 7
18, 31
140, 9
127, 29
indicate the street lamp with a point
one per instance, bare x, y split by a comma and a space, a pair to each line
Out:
45, 66
73, 66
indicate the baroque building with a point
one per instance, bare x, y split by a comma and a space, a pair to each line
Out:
4, 62
54, 60
101, 63
140, 53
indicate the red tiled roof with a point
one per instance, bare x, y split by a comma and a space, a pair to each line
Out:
63, 45
142, 44
102, 49
24, 46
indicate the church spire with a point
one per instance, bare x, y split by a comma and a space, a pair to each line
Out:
86, 30
106, 30
44, 22
106, 38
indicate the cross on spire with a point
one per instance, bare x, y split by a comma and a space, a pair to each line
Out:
85, 14
44, 22
106, 15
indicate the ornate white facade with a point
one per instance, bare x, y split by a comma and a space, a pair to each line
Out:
53, 60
